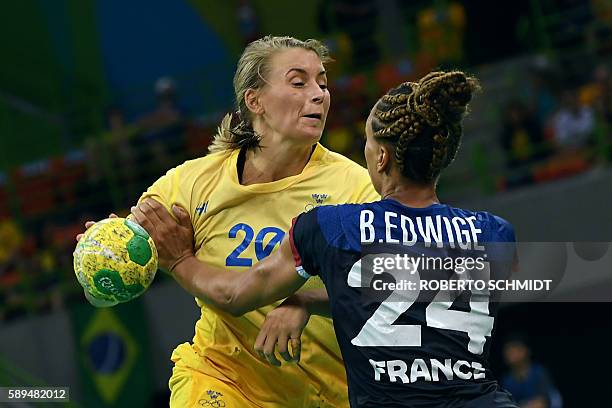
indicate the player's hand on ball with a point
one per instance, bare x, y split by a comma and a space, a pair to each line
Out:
282, 325
90, 224
173, 239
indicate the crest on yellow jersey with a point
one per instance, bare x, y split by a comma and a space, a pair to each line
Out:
319, 199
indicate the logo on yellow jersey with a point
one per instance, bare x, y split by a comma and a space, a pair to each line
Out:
201, 208
318, 198
214, 400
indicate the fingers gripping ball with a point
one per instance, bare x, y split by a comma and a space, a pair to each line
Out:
115, 261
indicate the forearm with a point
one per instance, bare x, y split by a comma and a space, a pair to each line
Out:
236, 292
212, 285
272, 279
316, 301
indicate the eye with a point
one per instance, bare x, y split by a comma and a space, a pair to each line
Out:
298, 83
323, 86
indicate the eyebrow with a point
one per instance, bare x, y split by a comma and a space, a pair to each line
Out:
303, 71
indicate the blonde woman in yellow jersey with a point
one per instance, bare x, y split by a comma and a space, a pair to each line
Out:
261, 173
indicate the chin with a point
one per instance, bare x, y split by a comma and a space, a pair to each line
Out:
311, 136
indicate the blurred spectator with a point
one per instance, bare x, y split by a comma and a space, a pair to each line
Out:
393, 34
605, 103
4, 197
163, 133
602, 28
115, 119
573, 124
602, 11
577, 15
340, 47
16, 272
350, 102
592, 92
528, 382
388, 75
521, 136
11, 239
248, 23
542, 92
359, 20
349, 140
93, 191
441, 28
123, 153
597, 93
167, 112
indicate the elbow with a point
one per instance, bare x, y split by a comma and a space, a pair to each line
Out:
234, 306
229, 302
237, 294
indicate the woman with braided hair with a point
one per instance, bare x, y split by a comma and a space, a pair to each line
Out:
423, 121
404, 340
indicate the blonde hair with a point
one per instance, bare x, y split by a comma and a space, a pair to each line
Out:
253, 68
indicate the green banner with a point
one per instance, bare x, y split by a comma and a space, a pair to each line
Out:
114, 355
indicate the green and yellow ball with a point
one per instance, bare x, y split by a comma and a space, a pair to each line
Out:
115, 261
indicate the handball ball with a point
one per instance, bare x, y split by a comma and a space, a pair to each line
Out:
115, 261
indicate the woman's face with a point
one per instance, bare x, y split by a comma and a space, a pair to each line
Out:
295, 100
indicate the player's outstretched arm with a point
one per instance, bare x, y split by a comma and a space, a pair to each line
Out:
272, 279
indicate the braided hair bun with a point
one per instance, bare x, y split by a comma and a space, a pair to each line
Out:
424, 122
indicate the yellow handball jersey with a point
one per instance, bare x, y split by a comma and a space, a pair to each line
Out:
236, 226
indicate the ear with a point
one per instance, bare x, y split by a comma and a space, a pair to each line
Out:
383, 161
252, 101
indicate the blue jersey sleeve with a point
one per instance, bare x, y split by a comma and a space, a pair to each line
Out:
314, 235
502, 236
303, 236
503, 230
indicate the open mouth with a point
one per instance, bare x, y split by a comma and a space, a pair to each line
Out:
313, 116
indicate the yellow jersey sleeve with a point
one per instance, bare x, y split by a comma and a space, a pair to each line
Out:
166, 189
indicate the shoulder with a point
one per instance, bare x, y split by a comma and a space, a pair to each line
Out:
502, 228
198, 170
339, 224
318, 218
209, 162
331, 158
498, 228
338, 213
491, 219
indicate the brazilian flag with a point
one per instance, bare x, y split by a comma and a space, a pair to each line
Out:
114, 356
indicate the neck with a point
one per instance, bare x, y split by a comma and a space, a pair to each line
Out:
410, 194
273, 162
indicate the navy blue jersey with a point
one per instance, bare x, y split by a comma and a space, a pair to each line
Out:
405, 339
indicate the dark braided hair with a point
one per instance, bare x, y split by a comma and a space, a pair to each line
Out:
424, 122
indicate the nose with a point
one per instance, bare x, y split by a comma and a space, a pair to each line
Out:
318, 95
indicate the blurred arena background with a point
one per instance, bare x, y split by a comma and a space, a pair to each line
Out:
98, 98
